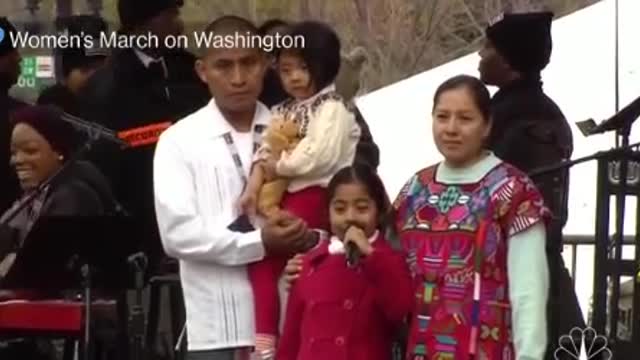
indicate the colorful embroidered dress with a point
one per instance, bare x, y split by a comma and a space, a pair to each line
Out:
455, 236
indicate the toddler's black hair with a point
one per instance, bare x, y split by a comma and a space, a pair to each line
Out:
321, 51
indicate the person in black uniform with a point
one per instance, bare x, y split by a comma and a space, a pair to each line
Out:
9, 72
529, 131
78, 64
139, 93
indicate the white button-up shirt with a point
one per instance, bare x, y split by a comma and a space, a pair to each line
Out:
197, 187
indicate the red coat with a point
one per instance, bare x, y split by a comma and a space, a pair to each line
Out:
338, 313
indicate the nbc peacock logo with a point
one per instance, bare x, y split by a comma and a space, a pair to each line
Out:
582, 344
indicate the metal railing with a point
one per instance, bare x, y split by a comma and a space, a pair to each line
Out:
573, 241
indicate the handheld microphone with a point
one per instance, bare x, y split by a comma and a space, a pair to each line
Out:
352, 253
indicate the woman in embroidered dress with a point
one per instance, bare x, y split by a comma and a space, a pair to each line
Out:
336, 311
329, 136
473, 228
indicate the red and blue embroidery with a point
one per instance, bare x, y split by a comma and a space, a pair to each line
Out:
455, 237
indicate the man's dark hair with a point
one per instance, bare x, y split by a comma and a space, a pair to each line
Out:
232, 23
321, 51
83, 57
134, 13
271, 24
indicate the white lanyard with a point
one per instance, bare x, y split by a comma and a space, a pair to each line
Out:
233, 149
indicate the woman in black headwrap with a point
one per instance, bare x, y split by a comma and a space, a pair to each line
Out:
41, 144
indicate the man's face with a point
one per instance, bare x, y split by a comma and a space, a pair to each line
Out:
234, 76
493, 67
10, 67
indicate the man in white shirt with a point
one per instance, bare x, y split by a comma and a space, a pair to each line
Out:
200, 169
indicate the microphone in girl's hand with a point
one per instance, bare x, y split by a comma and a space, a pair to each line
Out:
351, 250
352, 254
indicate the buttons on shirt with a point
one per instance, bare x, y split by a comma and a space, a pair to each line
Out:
340, 341
348, 304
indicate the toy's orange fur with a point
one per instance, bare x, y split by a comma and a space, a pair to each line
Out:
282, 135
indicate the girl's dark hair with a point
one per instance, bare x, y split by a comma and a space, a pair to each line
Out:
321, 51
476, 87
271, 24
367, 176
47, 121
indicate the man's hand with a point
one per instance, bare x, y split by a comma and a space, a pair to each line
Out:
284, 235
356, 236
248, 203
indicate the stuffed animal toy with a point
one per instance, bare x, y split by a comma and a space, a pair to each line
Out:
281, 135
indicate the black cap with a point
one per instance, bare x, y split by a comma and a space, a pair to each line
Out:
6, 46
85, 55
523, 39
136, 12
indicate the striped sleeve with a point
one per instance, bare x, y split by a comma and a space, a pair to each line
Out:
520, 205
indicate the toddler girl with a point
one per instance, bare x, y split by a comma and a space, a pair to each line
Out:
329, 135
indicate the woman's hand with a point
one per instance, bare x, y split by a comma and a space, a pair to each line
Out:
357, 236
292, 270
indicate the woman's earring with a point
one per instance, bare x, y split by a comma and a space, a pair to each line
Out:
60, 157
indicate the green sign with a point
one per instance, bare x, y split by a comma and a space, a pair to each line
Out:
28, 76
29, 67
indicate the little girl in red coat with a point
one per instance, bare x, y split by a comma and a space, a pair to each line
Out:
349, 311
329, 136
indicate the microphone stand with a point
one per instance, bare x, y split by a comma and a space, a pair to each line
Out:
138, 262
622, 125
94, 133
86, 284
543, 170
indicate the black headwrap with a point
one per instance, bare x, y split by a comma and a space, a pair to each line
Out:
523, 39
